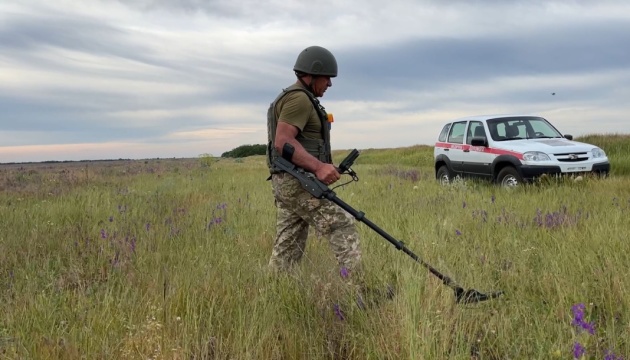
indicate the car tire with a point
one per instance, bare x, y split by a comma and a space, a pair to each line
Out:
509, 177
443, 175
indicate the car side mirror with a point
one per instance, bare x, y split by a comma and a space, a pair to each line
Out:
479, 141
568, 136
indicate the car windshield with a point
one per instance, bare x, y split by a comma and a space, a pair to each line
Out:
524, 127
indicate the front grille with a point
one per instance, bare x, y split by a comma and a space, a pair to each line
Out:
572, 157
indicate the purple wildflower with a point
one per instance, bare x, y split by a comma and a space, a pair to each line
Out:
103, 234
589, 327
344, 272
578, 319
578, 350
609, 355
147, 226
578, 313
339, 312
111, 219
457, 232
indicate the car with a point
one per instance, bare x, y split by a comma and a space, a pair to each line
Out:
512, 149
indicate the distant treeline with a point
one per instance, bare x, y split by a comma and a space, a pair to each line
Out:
245, 150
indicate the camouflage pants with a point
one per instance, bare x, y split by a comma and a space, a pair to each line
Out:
296, 211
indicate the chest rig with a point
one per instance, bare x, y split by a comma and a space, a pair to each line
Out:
319, 148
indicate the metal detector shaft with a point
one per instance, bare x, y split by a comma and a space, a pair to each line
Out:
360, 216
319, 190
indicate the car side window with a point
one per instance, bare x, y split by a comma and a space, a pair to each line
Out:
456, 135
475, 129
444, 133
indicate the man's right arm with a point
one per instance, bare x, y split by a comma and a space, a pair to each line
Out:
286, 133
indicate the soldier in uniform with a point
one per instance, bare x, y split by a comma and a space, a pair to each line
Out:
297, 118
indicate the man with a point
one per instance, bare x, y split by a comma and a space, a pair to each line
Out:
295, 117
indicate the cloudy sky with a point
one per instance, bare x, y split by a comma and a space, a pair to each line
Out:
108, 79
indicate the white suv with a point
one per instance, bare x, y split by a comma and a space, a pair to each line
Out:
510, 149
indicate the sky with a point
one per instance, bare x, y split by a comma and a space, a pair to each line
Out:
138, 79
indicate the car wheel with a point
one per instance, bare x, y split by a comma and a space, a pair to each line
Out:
443, 175
509, 177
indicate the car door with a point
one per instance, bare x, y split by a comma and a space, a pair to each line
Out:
454, 146
476, 160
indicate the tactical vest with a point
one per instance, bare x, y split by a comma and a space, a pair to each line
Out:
319, 148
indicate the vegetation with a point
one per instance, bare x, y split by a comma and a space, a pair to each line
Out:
167, 259
245, 151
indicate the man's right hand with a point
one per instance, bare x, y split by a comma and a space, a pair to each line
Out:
327, 173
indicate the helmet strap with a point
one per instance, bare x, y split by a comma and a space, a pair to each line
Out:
308, 86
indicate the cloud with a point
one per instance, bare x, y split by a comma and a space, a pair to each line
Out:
163, 75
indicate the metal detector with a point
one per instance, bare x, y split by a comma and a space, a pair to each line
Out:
319, 190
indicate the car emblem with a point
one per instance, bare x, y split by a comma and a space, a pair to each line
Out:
573, 157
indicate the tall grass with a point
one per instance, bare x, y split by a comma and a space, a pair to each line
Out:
617, 147
167, 259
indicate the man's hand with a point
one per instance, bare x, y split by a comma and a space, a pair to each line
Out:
327, 173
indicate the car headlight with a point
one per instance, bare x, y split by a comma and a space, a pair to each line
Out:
536, 156
598, 153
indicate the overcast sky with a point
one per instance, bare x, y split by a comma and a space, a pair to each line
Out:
97, 79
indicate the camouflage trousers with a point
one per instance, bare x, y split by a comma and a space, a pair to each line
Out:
296, 211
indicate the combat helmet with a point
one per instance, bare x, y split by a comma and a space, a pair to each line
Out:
316, 60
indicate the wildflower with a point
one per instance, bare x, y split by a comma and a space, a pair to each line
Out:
578, 319
578, 314
609, 355
492, 198
344, 272
111, 219
103, 234
147, 226
457, 232
578, 350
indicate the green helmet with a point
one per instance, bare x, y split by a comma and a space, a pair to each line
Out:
316, 60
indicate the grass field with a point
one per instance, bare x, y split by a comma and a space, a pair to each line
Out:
167, 259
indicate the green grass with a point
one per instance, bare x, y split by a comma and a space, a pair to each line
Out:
167, 259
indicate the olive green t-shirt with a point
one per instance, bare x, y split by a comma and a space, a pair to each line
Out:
296, 109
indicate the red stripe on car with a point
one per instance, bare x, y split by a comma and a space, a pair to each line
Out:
483, 149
